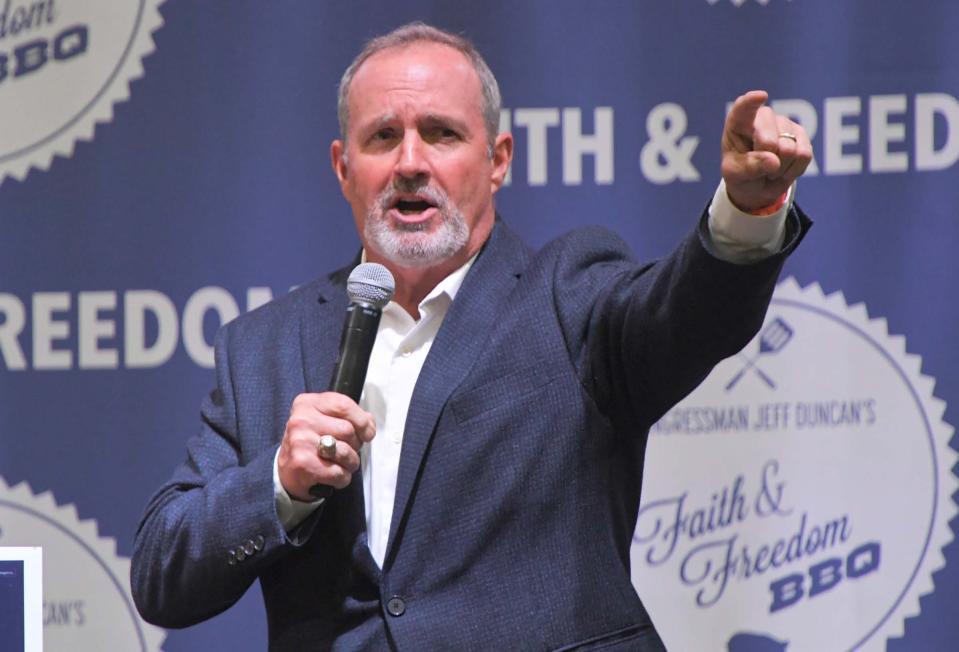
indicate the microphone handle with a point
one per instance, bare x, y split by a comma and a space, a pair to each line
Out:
352, 360
356, 345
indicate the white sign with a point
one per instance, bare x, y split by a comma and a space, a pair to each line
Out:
63, 65
800, 497
87, 606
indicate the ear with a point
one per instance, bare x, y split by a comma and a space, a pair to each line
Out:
338, 160
502, 156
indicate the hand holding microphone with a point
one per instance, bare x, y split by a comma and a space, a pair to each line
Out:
321, 444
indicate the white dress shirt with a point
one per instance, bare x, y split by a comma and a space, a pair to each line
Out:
398, 355
402, 344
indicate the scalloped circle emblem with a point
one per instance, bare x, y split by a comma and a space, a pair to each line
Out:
63, 65
800, 497
87, 604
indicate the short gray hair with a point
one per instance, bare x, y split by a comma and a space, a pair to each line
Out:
420, 32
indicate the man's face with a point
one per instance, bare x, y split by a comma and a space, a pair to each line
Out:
416, 167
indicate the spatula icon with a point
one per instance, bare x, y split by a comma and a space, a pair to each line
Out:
772, 339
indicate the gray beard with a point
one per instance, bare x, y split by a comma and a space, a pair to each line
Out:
414, 245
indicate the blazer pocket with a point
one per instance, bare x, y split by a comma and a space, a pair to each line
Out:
500, 391
641, 638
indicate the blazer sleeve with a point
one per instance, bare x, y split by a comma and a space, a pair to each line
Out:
209, 531
644, 336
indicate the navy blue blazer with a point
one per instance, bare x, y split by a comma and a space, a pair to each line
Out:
522, 460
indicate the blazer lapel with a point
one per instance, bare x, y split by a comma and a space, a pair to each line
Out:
320, 328
456, 347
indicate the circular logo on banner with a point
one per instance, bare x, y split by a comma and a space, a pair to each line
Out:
63, 65
799, 498
87, 604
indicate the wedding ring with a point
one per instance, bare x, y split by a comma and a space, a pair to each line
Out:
786, 134
326, 447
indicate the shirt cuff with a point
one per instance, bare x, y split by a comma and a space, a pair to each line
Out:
290, 512
740, 237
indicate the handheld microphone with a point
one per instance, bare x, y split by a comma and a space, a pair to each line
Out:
370, 287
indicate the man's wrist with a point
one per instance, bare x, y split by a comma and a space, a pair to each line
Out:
289, 510
740, 237
772, 208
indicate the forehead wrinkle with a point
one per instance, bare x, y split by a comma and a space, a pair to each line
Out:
413, 70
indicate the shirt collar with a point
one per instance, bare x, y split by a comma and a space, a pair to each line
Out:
449, 286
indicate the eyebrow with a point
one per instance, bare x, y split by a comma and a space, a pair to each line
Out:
429, 120
377, 124
434, 119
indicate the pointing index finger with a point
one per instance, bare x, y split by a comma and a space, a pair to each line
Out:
742, 116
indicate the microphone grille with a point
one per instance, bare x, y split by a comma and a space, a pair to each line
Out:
370, 283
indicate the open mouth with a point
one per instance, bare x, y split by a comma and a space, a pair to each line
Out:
412, 206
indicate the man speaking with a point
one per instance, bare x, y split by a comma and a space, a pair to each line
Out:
483, 493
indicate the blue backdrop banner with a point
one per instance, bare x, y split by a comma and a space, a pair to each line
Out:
164, 167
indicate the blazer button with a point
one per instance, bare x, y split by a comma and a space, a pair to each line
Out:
396, 606
259, 542
231, 558
248, 548
240, 555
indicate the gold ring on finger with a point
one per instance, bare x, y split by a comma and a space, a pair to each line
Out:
790, 136
326, 447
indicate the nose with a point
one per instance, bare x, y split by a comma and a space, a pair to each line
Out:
412, 163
